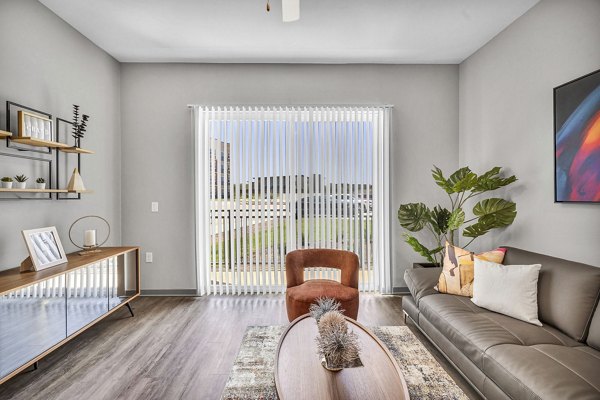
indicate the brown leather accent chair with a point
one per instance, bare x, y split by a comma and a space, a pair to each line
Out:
300, 294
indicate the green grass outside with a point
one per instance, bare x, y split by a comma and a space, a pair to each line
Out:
278, 235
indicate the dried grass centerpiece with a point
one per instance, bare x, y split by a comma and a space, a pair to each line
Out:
323, 305
337, 346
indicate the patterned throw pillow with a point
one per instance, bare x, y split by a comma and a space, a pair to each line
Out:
457, 272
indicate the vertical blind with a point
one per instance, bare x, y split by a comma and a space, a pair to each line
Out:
271, 179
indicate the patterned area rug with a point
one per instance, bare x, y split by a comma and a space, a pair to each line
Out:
252, 374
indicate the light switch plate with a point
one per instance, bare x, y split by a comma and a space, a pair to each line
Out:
148, 257
155, 206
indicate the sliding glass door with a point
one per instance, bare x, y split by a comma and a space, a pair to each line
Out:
273, 179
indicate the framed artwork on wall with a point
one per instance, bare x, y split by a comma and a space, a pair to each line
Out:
577, 140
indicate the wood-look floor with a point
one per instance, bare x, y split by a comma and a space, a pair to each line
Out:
174, 348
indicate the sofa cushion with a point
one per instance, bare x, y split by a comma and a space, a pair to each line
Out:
313, 289
593, 338
544, 371
567, 293
457, 357
474, 330
420, 281
299, 298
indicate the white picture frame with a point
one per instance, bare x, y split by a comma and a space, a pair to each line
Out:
34, 126
45, 248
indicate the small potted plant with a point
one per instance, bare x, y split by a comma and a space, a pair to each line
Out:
21, 181
40, 183
7, 182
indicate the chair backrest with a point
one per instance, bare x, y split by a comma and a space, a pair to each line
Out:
346, 261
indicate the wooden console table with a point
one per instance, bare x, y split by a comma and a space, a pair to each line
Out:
41, 311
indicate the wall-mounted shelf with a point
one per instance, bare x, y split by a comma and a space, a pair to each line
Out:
36, 134
39, 142
3, 190
75, 150
44, 191
77, 191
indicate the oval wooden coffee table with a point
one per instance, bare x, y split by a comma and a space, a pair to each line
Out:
299, 374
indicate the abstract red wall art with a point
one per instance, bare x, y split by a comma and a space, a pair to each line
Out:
577, 140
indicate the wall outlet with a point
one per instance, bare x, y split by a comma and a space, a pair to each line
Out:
148, 257
155, 206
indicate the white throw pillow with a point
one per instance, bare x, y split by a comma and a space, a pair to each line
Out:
507, 289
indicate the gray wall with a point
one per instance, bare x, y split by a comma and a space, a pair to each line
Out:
505, 99
158, 158
506, 119
48, 65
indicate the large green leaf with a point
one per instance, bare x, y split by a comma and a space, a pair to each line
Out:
438, 177
490, 181
414, 216
491, 173
457, 218
495, 212
436, 250
439, 219
433, 253
462, 180
475, 230
419, 248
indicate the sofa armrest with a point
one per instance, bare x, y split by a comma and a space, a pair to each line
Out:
420, 281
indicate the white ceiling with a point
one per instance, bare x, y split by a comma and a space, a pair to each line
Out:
329, 31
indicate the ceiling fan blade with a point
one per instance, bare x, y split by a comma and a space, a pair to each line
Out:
290, 10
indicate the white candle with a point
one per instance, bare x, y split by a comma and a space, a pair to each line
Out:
89, 239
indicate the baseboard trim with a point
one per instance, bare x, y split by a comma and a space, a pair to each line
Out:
169, 292
192, 292
400, 290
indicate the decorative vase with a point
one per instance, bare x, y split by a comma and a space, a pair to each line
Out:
40, 186
327, 367
21, 185
7, 185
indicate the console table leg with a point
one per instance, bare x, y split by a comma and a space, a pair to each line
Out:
34, 367
130, 310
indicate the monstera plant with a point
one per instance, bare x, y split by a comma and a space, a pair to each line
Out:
443, 223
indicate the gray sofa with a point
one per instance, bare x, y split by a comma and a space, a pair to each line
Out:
504, 358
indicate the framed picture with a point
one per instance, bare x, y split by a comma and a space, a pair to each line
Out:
45, 248
34, 126
577, 140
